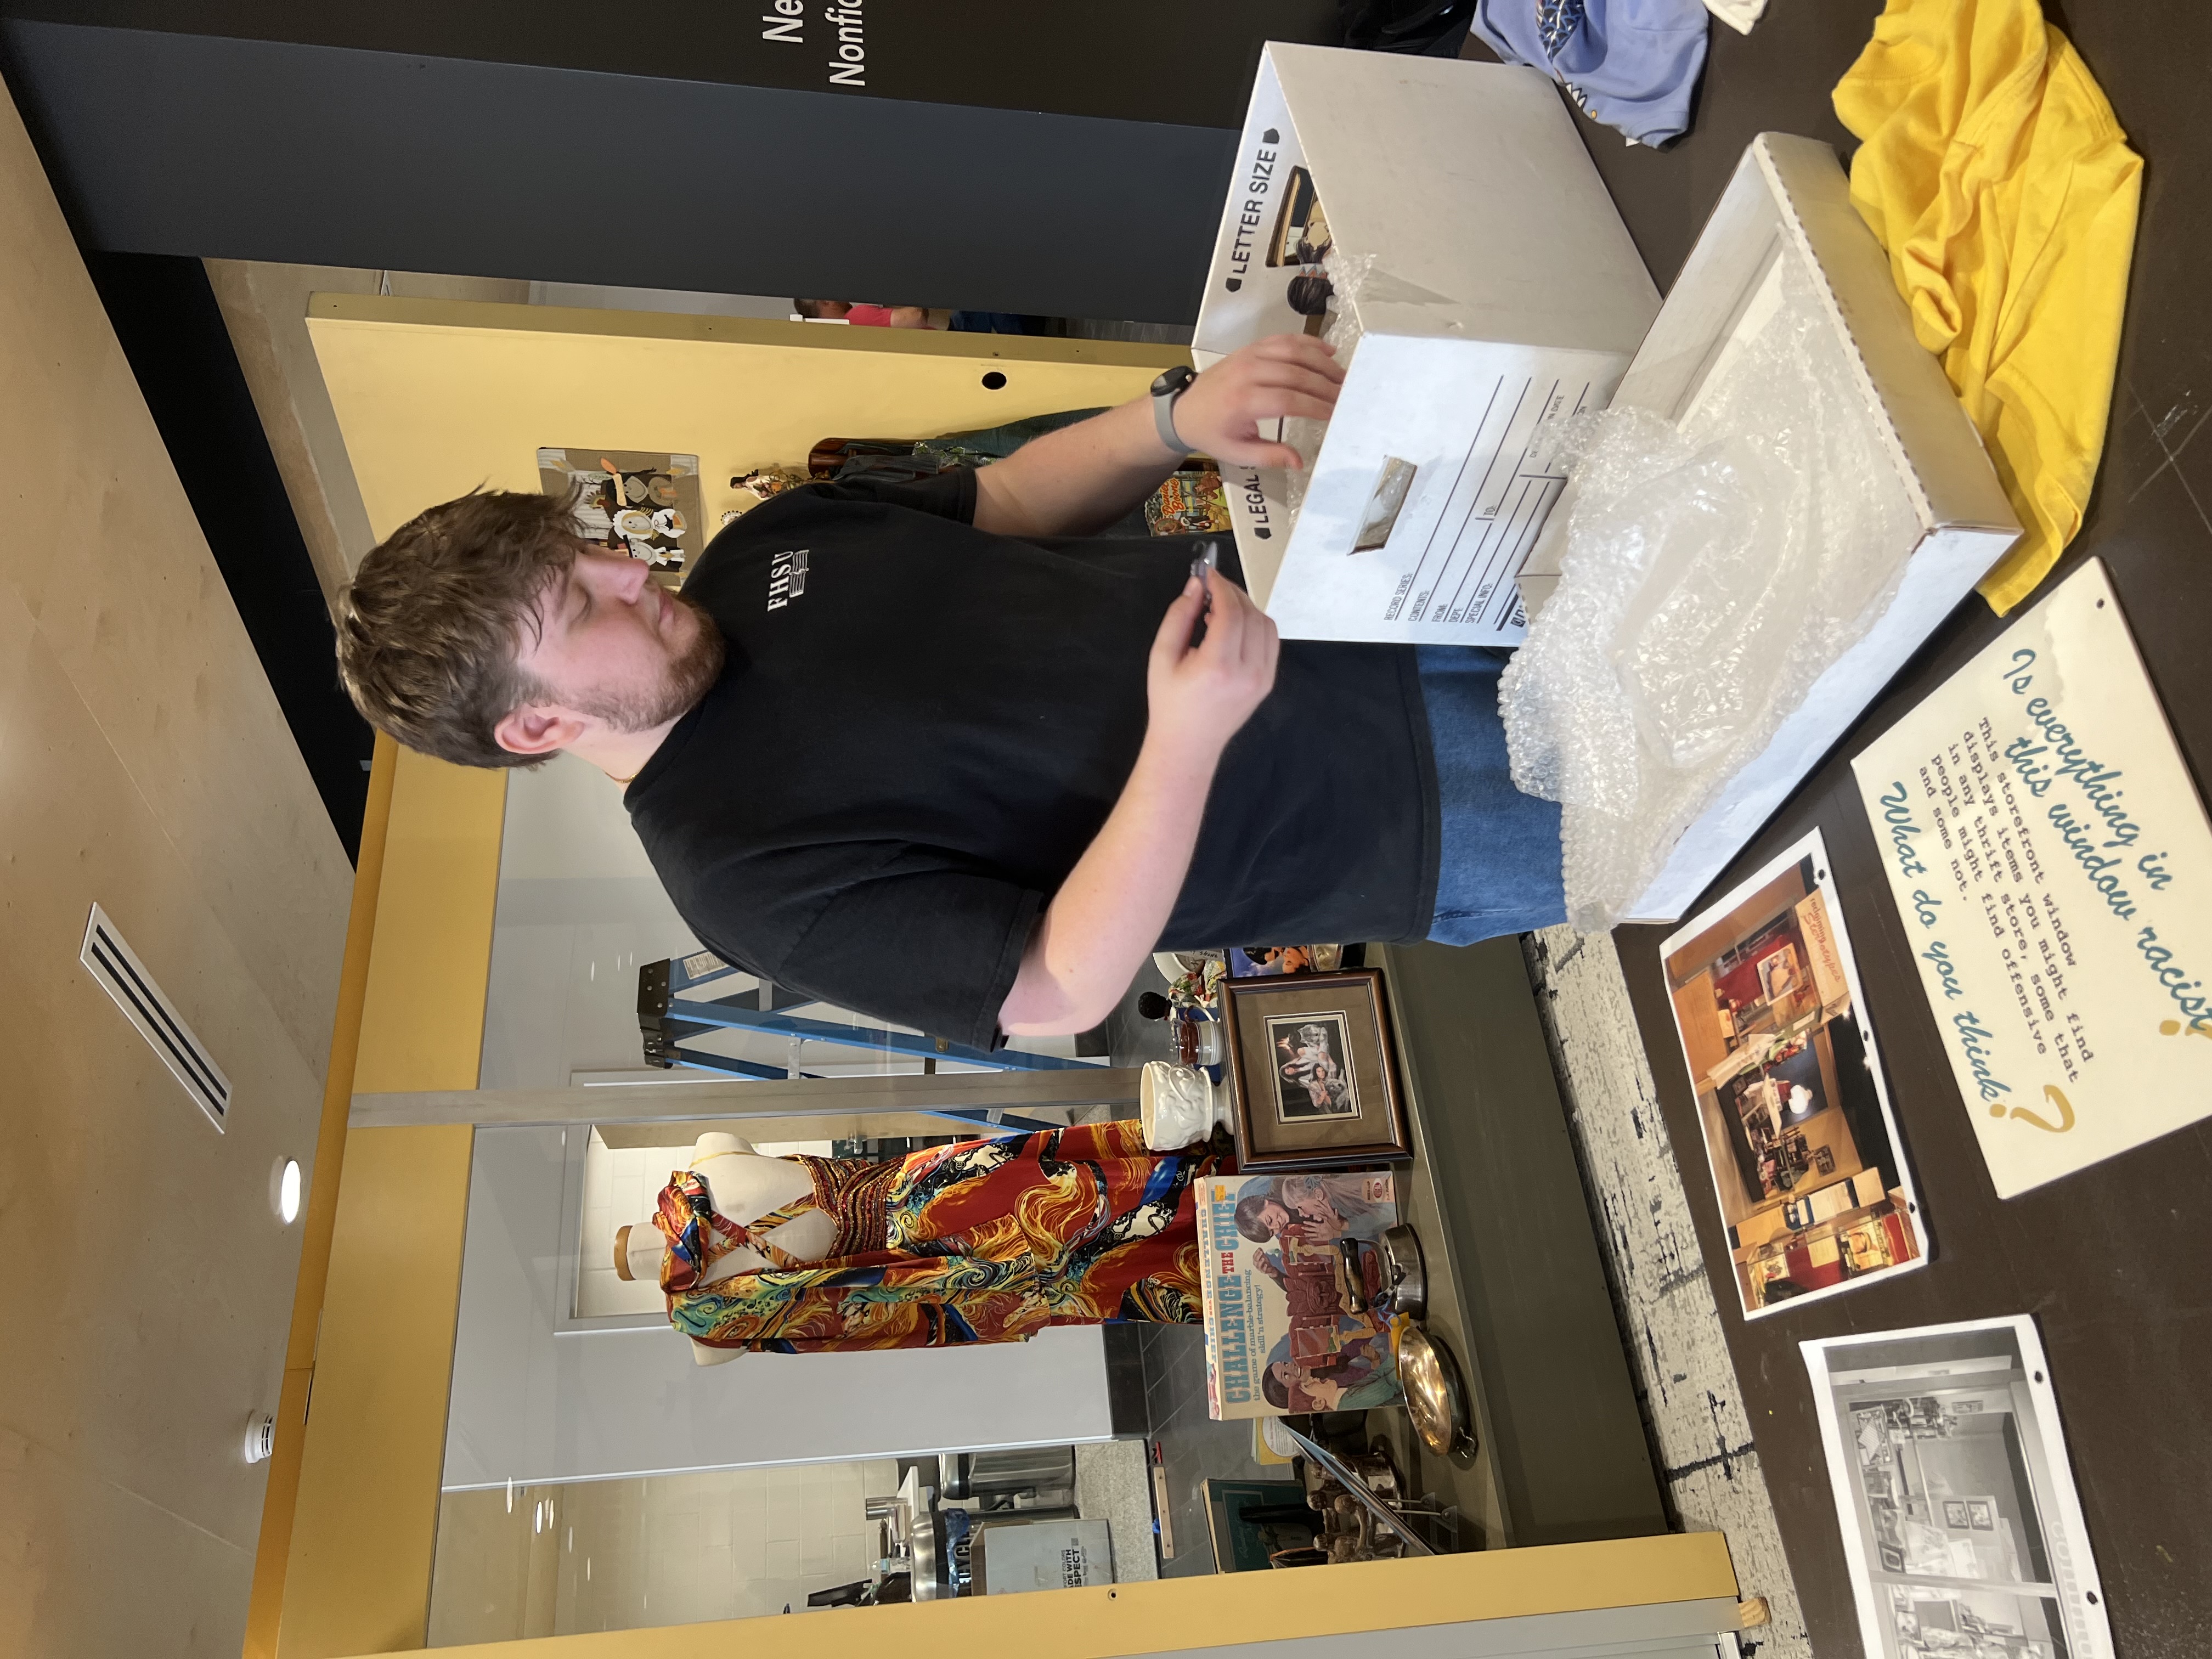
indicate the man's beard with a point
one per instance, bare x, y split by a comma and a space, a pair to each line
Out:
689, 675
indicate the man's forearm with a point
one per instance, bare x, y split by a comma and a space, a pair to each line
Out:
1078, 480
1108, 915
1115, 903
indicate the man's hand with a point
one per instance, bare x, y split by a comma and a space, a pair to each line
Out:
1282, 374
1201, 695
1109, 914
1080, 479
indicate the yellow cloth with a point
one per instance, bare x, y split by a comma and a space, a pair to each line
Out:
1994, 172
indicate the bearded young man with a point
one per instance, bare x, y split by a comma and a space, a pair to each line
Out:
926, 751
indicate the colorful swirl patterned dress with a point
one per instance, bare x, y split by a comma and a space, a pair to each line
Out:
985, 1241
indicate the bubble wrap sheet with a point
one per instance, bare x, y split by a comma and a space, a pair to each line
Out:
1713, 571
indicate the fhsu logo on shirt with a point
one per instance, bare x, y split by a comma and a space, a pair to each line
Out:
787, 578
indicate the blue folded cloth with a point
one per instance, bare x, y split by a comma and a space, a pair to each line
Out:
1632, 65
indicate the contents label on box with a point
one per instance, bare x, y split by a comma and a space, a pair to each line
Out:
2052, 863
1441, 468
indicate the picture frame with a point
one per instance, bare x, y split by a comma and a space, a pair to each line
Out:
1954, 1514
1981, 1514
644, 503
1266, 962
1242, 1542
1313, 1071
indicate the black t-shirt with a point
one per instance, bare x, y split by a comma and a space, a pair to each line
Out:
922, 725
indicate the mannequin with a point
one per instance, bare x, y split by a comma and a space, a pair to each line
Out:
747, 1185
982, 1241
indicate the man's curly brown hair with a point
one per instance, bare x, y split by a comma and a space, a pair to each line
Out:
431, 627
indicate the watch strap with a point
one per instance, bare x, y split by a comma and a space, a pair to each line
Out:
1165, 390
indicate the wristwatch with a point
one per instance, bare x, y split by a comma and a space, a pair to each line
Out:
1165, 390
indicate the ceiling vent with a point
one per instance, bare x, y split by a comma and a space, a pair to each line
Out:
124, 977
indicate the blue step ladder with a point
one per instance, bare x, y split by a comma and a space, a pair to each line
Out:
671, 1012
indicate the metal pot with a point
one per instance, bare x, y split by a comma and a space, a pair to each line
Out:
1436, 1398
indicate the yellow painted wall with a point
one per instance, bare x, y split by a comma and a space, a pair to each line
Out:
364, 1527
436, 398
1166, 1615
365, 1530
272, 1552
421, 1023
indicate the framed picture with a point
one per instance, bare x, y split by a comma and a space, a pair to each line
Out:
631, 501
1955, 1513
1262, 962
1252, 1521
1312, 1072
1981, 1514
1777, 974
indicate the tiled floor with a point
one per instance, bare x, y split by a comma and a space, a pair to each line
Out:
1193, 1448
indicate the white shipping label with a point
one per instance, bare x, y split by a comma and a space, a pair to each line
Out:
1438, 472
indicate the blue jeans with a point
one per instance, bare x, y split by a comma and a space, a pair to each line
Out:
1499, 867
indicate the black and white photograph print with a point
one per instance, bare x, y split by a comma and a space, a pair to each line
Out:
1962, 1530
1313, 1071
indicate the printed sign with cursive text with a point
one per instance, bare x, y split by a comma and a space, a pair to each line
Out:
2053, 865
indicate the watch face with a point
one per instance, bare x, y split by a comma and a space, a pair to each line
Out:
1173, 380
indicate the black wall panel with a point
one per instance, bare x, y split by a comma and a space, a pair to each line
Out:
256, 149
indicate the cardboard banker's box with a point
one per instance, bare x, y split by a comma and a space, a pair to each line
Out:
1496, 292
1789, 197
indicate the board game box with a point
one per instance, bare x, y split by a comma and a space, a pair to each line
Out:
1296, 1296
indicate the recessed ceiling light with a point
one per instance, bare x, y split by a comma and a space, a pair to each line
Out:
287, 1188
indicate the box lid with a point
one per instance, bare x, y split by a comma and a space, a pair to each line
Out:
1461, 187
1794, 187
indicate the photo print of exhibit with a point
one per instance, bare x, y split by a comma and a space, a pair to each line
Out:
1962, 1529
1805, 1159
